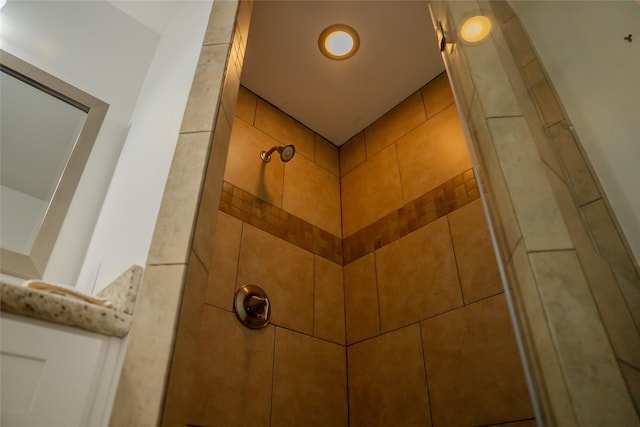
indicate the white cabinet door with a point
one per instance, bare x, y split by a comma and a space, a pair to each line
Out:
50, 374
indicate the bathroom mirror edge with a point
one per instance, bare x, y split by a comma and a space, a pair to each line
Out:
33, 264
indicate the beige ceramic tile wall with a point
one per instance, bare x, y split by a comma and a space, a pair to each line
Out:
310, 382
387, 384
203, 141
308, 186
227, 368
206, 128
412, 149
423, 281
417, 277
501, 87
306, 288
279, 375
472, 362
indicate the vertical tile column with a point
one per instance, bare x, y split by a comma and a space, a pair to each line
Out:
599, 245
200, 155
575, 370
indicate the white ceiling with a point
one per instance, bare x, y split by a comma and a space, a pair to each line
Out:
398, 54
337, 99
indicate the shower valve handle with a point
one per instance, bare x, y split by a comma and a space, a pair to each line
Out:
258, 307
252, 306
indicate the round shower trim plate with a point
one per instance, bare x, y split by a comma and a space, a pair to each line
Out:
242, 303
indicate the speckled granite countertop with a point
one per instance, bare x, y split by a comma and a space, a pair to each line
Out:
69, 311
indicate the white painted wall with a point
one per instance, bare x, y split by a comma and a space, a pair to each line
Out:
101, 50
20, 219
596, 73
145, 76
123, 233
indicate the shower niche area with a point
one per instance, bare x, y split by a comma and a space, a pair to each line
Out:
386, 302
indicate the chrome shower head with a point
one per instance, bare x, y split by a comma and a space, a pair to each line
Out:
286, 153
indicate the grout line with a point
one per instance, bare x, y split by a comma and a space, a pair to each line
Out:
534, 59
364, 143
506, 116
375, 271
506, 423
344, 305
455, 260
424, 105
200, 260
235, 284
191, 132
273, 375
591, 202
625, 303
346, 364
426, 378
624, 362
230, 43
566, 180
287, 328
580, 206
537, 251
313, 292
393, 141
219, 308
510, 252
346, 348
404, 199
160, 264
442, 110
255, 109
425, 319
284, 176
551, 124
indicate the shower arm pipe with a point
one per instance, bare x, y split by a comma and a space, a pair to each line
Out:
267, 154
286, 153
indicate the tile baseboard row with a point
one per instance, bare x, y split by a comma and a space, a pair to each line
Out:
442, 200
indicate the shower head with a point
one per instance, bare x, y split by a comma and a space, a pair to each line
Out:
286, 153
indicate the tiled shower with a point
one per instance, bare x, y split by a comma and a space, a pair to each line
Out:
387, 304
568, 273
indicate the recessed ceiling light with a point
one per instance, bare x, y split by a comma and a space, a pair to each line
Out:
339, 41
475, 28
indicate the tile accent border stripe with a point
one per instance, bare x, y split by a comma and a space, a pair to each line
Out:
267, 217
442, 200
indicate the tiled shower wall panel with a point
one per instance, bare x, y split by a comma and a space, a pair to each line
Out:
419, 271
520, 176
252, 239
607, 264
308, 186
293, 372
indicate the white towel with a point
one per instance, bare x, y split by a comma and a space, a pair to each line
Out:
66, 291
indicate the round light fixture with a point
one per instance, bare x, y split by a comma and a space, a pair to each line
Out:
339, 41
475, 29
